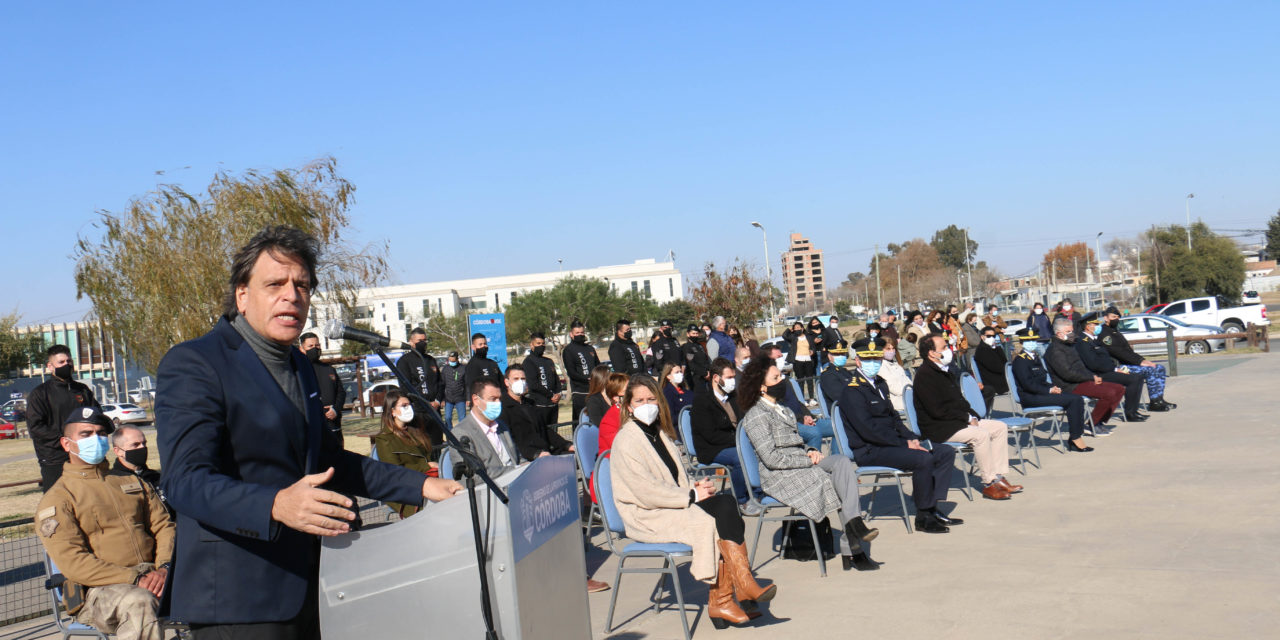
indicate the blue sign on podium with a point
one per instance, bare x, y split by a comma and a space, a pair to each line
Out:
543, 501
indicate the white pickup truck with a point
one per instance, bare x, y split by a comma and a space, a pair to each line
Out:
1216, 312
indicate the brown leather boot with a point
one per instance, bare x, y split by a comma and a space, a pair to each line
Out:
734, 555
721, 608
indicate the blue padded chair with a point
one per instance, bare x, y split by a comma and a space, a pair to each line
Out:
616, 531
66, 624
697, 469
795, 386
977, 375
586, 446
751, 473
880, 476
965, 451
1017, 425
1053, 415
446, 464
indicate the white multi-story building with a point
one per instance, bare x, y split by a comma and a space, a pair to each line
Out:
394, 310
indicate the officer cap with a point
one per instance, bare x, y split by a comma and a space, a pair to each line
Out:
1112, 310
869, 348
838, 351
90, 415
1029, 335
1091, 318
693, 327
873, 326
666, 323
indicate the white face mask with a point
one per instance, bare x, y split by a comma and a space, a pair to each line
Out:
1066, 307
677, 377
646, 413
729, 384
945, 357
991, 341
1039, 311
519, 387
405, 413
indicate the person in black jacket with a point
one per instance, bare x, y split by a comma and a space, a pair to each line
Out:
423, 372
1098, 360
1035, 390
665, 348
455, 389
624, 355
877, 437
944, 415
989, 361
532, 436
697, 364
1067, 371
333, 396
1118, 346
480, 367
812, 428
714, 421
48, 406
835, 377
578, 358
544, 382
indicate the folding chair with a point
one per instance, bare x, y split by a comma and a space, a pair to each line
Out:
751, 473
965, 451
615, 531
697, 469
66, 624
446, 464
876, 473
1037, 414
586, 444
1017, 425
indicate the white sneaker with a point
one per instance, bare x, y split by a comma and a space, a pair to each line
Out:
1100, 431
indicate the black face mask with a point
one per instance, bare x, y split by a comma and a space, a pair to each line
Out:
313, 354
626, 335
816, 328
582, 339
482, 352
666, 333
538, 351
777, 391
137, 457
1113, 323
421, 347
66, 371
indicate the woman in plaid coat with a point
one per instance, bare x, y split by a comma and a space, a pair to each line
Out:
814, 485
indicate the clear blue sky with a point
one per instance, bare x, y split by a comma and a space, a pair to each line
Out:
507, 135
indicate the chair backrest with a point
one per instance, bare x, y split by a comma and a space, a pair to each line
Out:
838, 428
603, 481
583, 418
686, 432
51, 570
972, 394
909, 403
749, 462
1013, 385
795, 386
822, 397
373, 452
586, 446
446, 464
977, 374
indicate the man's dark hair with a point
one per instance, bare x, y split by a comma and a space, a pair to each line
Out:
988, 331
620, 324
307, 336
418, 331
576, 323
279, 240
770, 348
477, 387
513, 367
719, 365
56, 349
927, 344
474, 336
538, 334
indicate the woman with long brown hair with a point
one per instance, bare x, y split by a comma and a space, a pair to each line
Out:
659, 504
404, 442
597, 402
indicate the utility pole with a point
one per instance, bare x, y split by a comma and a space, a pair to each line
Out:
968, 263
1189, 197
1075, 261
1142, 299
1155, 260
959, 289
899, 288
768, 273
1098, 257
879, 302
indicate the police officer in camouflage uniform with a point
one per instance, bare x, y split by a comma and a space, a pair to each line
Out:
1119, 347
107, 534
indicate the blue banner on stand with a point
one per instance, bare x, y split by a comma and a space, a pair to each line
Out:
494, 328
544, 500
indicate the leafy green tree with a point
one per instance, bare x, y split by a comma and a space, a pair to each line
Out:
739, 293
1273, 237
589, 300
18, 351
354, 347
842, 308
679, 312
157, 271
951, 247
1212, 267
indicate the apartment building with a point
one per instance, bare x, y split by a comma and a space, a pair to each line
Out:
803, 275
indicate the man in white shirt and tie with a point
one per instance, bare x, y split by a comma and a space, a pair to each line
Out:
490, 439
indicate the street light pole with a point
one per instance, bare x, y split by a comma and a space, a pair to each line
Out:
1097, 250
1189, 197
968, 264
768, 274
899, 288
879, 302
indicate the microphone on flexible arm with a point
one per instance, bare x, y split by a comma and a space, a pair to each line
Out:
335, 330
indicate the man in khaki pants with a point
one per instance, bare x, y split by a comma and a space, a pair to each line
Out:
945, 416
109, 535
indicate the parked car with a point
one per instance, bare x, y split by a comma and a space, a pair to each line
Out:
8, 431
126, 413
1251, 297
1216, 312
1155, 308
783, 365
11, 413
1145, 326
374, 393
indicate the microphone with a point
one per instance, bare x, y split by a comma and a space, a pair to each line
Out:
335, 330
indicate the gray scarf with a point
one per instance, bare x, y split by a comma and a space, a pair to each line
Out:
275, 357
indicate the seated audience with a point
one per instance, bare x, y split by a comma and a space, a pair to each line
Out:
835, 377
532, 436
1035, 390
889, 324
741, 356
945, 416
1067, 371
404, 442
719, 344
989, 361
490, 438
893, 374
1118, 346
598, 401
714, 418
879, 437
797, 475
812, 428
674, 390
916, 325
1097, 359
909, 353
110, 537
129, 445
659, 504
611, 422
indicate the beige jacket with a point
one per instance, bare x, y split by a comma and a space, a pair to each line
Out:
655, 509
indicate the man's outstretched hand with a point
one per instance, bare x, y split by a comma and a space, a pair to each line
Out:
437, 489
307, 508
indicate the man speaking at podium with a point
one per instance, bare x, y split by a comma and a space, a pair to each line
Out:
248, 465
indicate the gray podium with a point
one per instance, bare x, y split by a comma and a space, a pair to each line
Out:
417, 578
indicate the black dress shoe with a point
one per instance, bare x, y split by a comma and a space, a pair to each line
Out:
930, 524
1158, 405
950, 522
1135, 417
1071, 446
859, 561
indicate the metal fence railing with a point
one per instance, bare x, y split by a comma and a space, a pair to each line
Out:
22, 592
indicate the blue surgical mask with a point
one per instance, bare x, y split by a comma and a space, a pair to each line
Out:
1097, 328
870, 368
1031, 347
493, 409
839, 361
92, 449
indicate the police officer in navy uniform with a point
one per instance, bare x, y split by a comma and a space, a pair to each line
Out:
697, 363
665, 349
1035, 390
878, 437
1096, 357
1120, 349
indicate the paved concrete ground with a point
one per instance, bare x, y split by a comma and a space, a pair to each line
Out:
1168, 530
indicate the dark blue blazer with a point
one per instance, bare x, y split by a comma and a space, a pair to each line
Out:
229, 440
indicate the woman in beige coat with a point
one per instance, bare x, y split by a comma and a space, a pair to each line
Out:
659, 504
